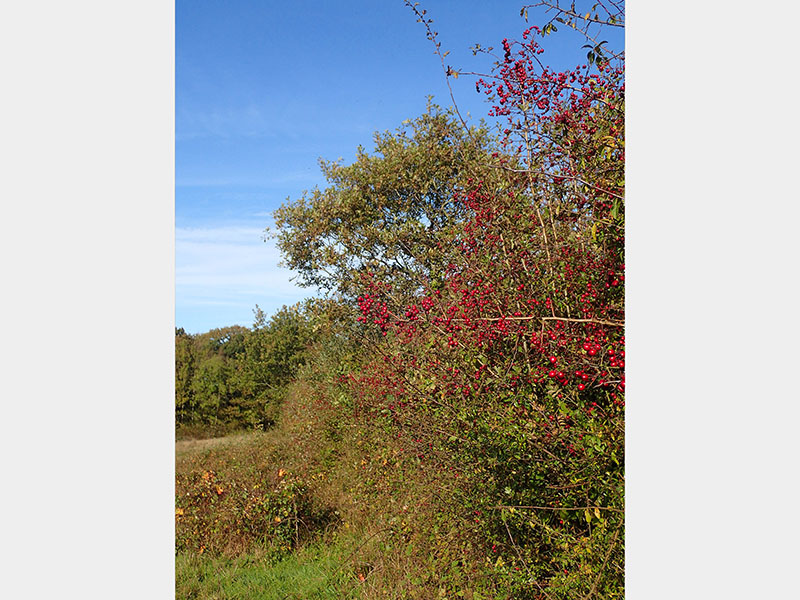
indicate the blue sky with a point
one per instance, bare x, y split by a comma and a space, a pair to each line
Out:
263, 89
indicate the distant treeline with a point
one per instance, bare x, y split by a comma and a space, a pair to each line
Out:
233, 377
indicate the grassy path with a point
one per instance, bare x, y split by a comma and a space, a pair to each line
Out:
310, 573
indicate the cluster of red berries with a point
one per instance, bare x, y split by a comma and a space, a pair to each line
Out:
371, 306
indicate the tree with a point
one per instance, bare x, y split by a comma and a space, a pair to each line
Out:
388, 214
212, 389
272, 353
228, 341
185, 365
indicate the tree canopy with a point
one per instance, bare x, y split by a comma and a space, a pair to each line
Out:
389, 213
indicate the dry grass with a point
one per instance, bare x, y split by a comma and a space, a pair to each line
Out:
189, 447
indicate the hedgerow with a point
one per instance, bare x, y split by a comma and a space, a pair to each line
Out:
495, 336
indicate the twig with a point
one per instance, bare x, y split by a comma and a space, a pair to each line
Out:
601, 322
603, 566
524, 564
557, 508
557, 176
437, 45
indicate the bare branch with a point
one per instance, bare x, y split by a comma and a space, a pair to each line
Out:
557, 508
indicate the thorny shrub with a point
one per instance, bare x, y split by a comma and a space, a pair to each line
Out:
510, 371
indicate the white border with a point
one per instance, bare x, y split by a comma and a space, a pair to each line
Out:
87, 244
87, 121
711, 275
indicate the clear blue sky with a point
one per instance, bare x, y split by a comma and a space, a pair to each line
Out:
264, 89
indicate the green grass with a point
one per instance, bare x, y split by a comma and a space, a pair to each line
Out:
312, 573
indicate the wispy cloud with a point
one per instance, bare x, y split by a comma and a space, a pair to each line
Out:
292, 124
231, 266
309, 178
247, 121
